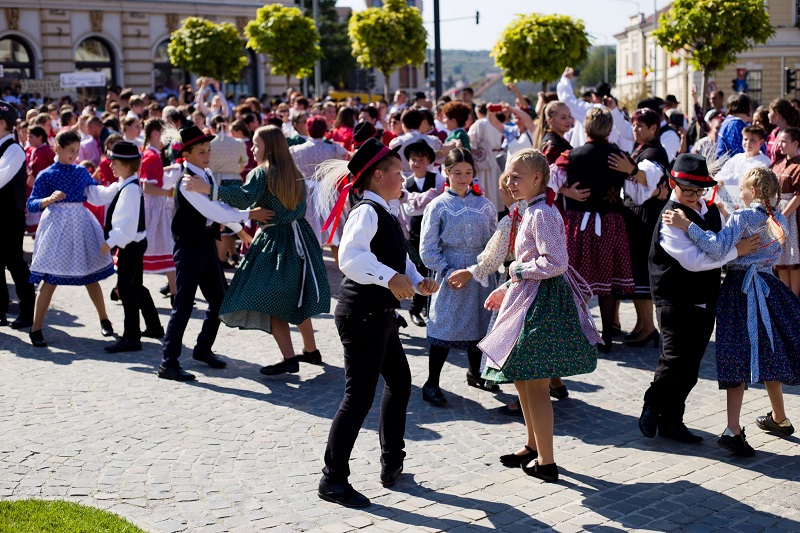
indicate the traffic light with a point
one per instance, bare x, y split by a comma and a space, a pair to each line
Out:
790, 81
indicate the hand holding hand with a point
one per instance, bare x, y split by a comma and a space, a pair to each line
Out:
677, 219
105, 249
262, 215
748, 245
576, 193
401, 287
427, 286
495, 300
459, 278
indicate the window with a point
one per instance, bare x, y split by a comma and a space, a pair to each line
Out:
754, 86
16, 57
95, 55
165, 75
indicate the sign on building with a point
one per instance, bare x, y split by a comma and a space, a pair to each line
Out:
72, 80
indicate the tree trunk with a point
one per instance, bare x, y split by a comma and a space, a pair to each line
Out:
288, 77
705, 100
386, 88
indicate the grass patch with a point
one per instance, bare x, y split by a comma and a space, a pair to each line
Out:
43, 516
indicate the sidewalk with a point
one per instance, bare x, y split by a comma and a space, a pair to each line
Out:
238, 451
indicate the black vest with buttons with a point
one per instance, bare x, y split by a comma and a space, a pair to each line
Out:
389, 248
415, 224
13, 195
188, 224
670, 282
588, 165
110, 212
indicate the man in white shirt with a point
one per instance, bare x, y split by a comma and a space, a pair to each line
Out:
669, 138
399, 103
412, 120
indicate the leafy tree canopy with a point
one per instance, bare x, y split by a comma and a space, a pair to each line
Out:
335, 43
207, 49
539, 47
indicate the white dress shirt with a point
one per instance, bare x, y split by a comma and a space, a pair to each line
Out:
641, 192
213, 210
356, 260
11, 162
671, 142
412, 137
125, 218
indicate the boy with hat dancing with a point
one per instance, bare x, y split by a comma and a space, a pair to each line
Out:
685, 283
195, 228
379, 274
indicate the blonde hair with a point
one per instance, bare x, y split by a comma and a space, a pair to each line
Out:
284, 179
598, 123
767, 188
534, 161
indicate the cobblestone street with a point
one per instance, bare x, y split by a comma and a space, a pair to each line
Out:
238, 451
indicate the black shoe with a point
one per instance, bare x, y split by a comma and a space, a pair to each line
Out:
513, 460
400, 322
174, 374
106, 329
633, 335
424, 312
678, 431
344, 494
606, 346
433, 394
506, 410
616, 330
124, 345
210, 359
547, 473
736, 444
648, 422
312, 358
654, 337
389, 475
559, 393
164, 290
21, 323
290, 366
152, 333
481, 383
114, 295
37, 339
417, 320
3, 320
767, 423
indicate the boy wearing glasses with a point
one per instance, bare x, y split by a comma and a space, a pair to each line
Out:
685, 284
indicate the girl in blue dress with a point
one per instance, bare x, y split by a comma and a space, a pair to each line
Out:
67, 249
758, 340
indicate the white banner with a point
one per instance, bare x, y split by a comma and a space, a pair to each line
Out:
71, 80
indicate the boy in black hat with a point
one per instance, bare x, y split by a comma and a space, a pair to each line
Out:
379, 274
685, 284
124, 229
13, 175
195, 228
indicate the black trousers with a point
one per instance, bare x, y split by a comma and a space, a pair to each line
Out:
372, 348
196, 265
134, 295
11, 236
685, 331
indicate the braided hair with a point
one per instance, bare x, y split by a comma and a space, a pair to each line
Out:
767, 187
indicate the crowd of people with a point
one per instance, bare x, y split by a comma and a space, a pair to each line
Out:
498, 222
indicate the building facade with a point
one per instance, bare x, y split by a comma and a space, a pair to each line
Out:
641, 65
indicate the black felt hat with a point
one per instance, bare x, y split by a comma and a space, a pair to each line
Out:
363, 131
125, 150
192, 135
367, 157
602, 89
420, 146
9, 113
655, 103
691, 170
671, 99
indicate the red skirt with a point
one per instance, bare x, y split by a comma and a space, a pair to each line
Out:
604, 260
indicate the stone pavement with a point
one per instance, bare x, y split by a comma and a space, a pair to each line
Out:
237, 451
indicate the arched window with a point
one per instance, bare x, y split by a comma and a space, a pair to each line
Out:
16, 57
95, 55
166, 76
247, 84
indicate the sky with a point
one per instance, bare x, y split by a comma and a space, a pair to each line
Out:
602, 18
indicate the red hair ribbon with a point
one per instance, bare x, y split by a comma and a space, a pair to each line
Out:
516, 218
713, 193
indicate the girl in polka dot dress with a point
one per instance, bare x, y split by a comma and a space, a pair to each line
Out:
67, 246
544, 328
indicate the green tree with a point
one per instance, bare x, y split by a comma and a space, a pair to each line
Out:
388, 37
713, 32
288, 37
593, 70
207, 49
539, 47
335, 43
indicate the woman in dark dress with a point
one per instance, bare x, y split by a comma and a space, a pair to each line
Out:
645, 193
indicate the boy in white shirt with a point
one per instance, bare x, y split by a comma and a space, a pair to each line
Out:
738, 165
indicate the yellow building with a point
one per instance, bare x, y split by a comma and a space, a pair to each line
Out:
641, 66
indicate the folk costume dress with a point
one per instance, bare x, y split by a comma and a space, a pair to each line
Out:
486, 142
455, 231
544, 328
788, 172
67, 246
757, 315
158, 211
283, 273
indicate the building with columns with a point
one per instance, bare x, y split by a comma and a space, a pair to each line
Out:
641, 64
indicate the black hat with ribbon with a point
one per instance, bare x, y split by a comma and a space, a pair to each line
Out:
691, 170
125, 150
363, 131
192, 135
420, 146
9, 114
367, 158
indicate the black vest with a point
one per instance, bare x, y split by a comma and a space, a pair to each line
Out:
588, 165
188, 224
389, 248
652, 151
13, 195
558, 143
110, 212
415, 224
670, 282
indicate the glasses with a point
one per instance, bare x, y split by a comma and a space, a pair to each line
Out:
692, 193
